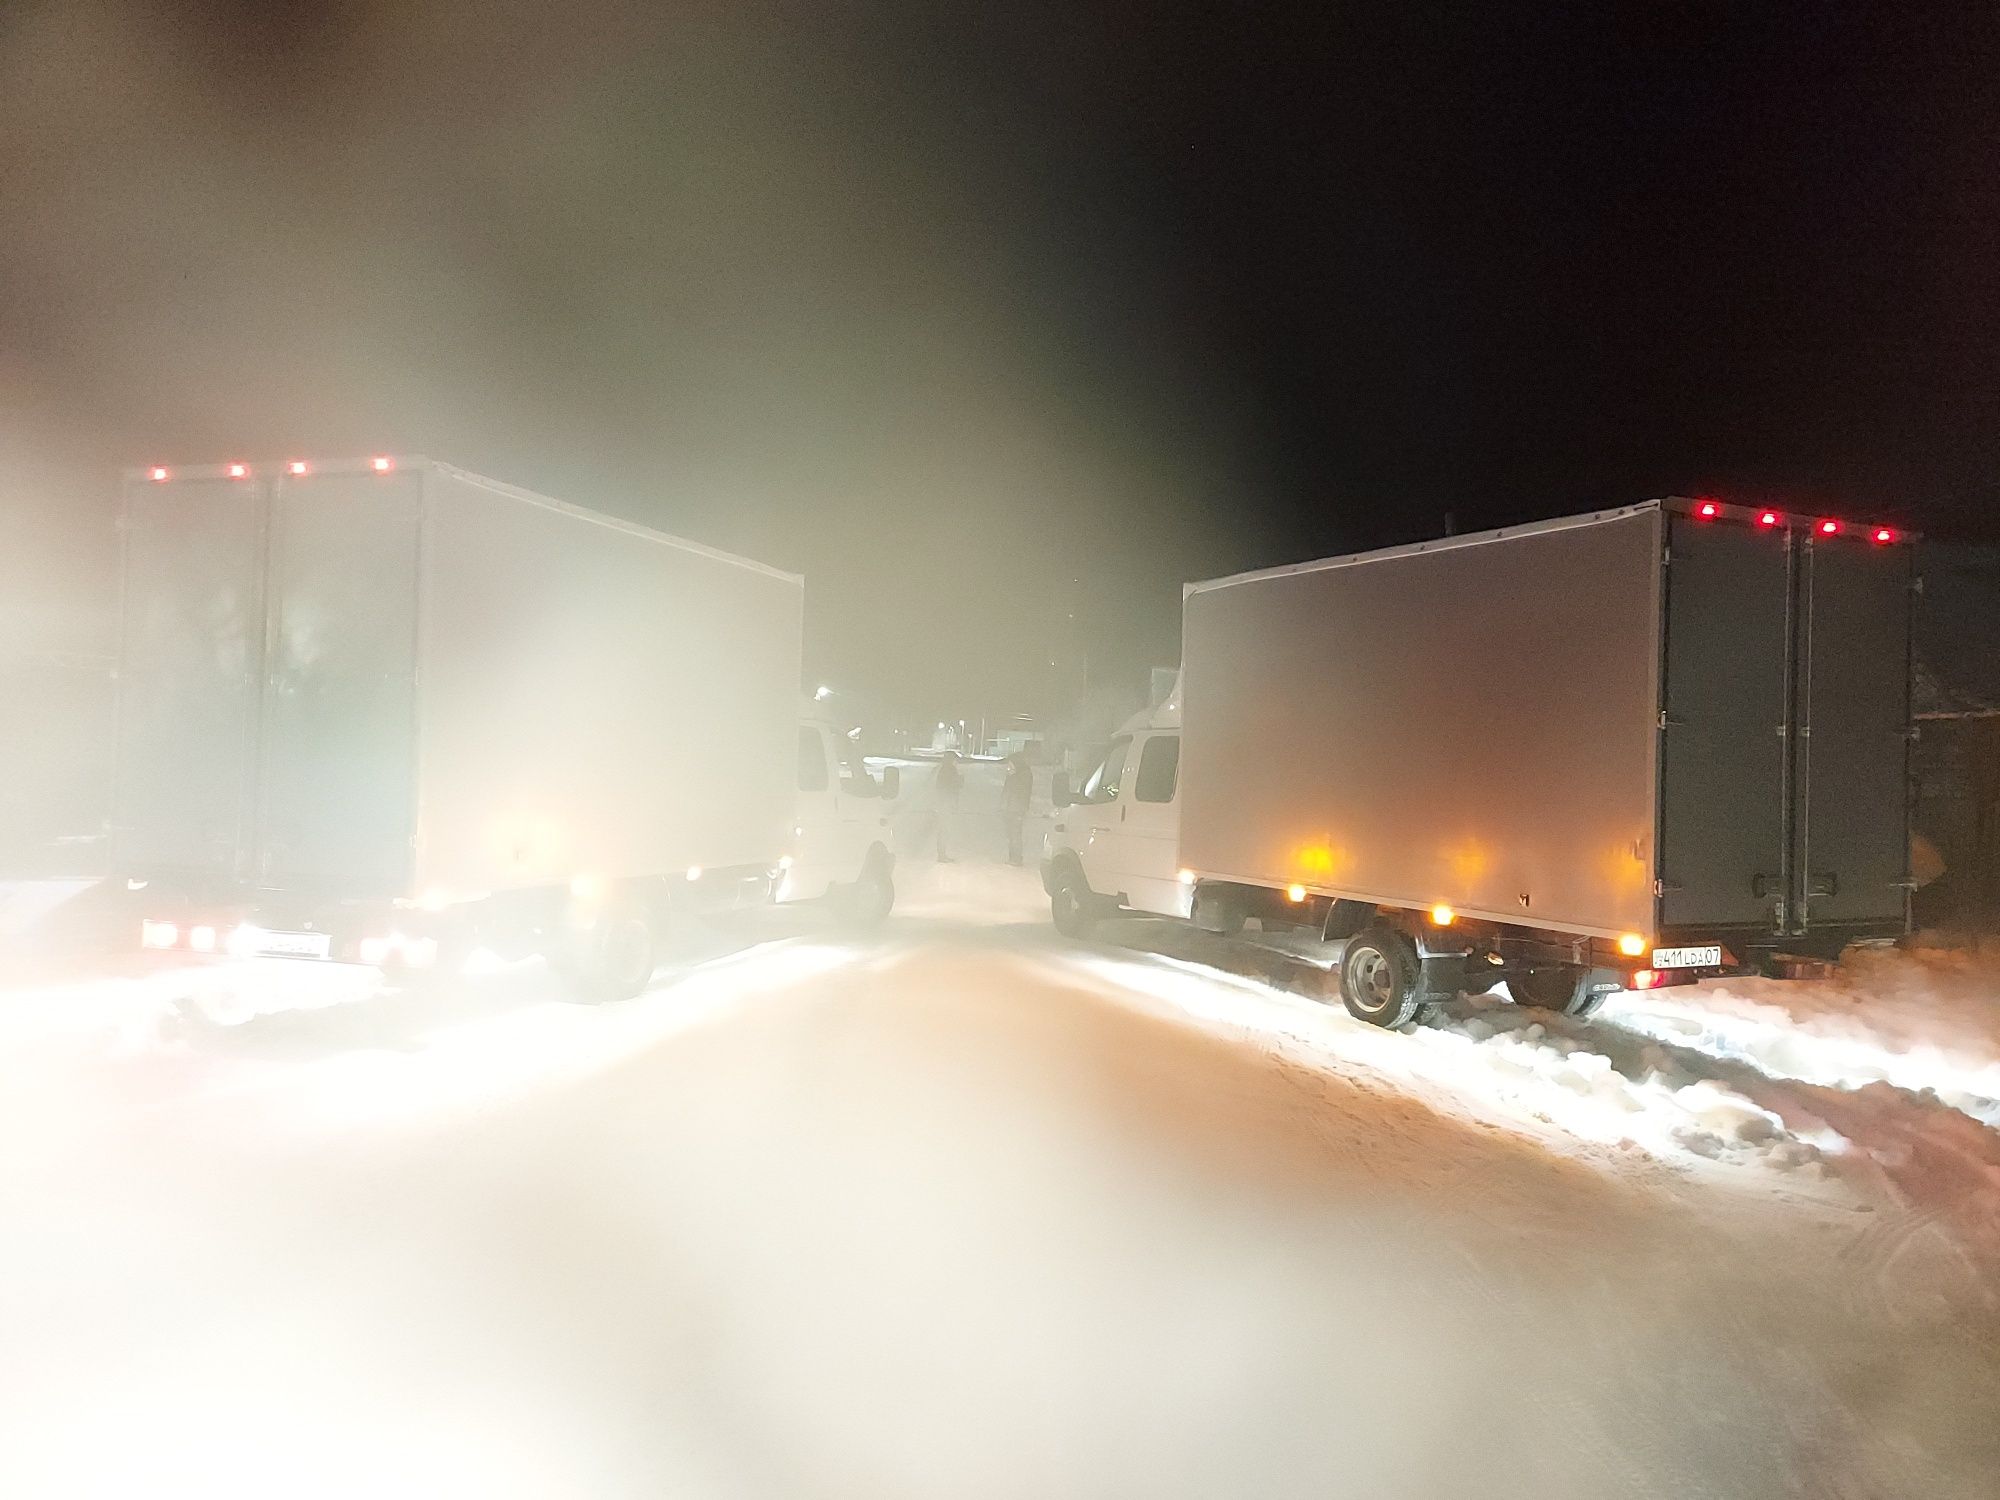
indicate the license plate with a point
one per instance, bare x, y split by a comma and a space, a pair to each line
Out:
1687, 958
293, 944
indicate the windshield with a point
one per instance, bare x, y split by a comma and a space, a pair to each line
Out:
1102, 784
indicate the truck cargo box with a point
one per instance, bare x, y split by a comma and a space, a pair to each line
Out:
396, 678
1667, 718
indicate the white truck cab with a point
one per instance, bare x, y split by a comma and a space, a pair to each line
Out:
1114, 845
842, 838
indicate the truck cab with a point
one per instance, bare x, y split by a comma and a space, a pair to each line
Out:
842, 836
1114, 845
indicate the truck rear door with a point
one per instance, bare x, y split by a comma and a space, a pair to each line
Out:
189, 657
336, 770
1854, 712
1783, 801
1723, 772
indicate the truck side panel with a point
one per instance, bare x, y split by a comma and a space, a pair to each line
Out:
334, 786
1471, 723
189, 663
593, 698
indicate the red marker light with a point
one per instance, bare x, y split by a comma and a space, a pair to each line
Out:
297, 466
1884, 534
1708, 510
158, 475
1829, 528
238, 471
1769, 518
1645, 979
381, 465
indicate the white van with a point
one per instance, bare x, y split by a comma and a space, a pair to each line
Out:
1114, 846
842, 838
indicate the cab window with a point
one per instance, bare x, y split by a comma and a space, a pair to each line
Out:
812, 761
1159, 769
1104, 782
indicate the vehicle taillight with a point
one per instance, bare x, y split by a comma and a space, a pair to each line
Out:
381, 465
297, 466
154, 934
1708, 510
1645, 979
1828, 527
157, 474
1884, 534
1768, 518
238, 471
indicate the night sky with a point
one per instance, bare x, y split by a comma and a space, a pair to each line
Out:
965, 311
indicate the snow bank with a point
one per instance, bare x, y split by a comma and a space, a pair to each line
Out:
1499, 1065
1927, 1021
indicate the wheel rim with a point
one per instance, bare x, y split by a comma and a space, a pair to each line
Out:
1371, 980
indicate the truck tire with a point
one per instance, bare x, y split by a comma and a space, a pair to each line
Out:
1070, 906
1560, 988
616, 957
865, 903
1217, 911
1380, 977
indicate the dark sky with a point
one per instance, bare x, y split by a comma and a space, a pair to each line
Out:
949, 306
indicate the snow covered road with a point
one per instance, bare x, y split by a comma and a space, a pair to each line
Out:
964, 1210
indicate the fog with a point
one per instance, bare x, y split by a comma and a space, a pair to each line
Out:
807, 286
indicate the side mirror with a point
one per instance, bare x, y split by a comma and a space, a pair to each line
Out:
892, 783
1059, 792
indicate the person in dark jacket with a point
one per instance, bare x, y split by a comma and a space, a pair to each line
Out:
1015, 795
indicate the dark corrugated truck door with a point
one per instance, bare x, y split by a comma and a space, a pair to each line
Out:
336, 774
188, 661
1854, 711
1722, 769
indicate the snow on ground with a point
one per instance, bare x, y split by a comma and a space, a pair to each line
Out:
1920, 1019
959, 1208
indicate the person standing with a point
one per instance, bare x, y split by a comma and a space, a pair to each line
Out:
1015, 796
945, 789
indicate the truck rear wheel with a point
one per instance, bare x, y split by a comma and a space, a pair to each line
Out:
1217, 909
615, 959
1379, 977
1563, 987
868, 900
1070, 906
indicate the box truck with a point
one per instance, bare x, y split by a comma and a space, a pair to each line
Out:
389, 711
1628, 749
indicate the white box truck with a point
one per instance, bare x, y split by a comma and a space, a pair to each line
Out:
1621, 750
386, 711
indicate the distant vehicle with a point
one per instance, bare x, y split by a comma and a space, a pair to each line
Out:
842, 838
1625, 750
389, 711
